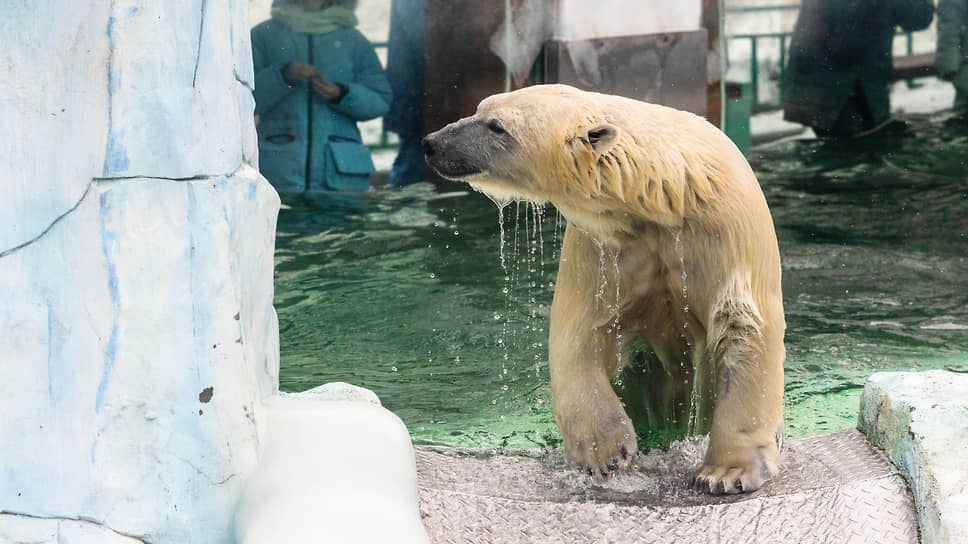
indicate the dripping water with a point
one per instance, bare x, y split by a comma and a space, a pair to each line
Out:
503, 340
501, 203
617, 324
684, 335
523, 265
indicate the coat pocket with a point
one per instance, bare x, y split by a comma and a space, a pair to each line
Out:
352, 166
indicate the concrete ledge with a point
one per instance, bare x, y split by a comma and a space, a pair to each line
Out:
921, 420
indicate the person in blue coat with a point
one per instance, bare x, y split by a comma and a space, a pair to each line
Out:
316, 76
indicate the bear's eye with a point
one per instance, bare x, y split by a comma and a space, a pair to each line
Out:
496, 126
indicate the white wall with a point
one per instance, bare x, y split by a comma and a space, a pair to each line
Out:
581, 19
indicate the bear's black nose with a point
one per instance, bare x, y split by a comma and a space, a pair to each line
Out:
428, 147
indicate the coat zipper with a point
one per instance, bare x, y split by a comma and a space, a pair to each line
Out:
309, 129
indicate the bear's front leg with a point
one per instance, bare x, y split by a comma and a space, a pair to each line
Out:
748, 355
598, 434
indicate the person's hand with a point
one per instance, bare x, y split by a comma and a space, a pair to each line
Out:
299, 71
326, 89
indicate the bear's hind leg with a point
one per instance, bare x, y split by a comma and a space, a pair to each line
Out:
748, 356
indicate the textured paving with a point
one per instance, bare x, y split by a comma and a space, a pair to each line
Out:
831, 488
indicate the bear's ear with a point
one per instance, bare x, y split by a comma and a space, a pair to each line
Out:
602, 137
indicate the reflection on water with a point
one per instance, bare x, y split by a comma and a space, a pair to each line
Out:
404, 292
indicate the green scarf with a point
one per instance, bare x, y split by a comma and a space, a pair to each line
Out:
313, 22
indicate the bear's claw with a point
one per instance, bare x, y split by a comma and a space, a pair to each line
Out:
597, 466
613, 467
719, 480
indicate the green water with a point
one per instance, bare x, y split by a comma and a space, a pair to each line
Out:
407, 293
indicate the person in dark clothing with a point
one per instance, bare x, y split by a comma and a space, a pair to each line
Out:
952, 51
841, 62
405, 70
316, 76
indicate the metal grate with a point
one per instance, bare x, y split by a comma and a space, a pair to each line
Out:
831, 488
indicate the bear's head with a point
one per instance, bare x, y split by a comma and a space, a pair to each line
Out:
610, 165
524, 144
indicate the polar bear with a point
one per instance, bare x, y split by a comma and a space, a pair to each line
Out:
669, 260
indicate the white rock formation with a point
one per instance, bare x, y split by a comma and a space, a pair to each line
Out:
336, 467
54, 106
138, 343
121, 89
136, 351
921, 420
56, 531
137, 336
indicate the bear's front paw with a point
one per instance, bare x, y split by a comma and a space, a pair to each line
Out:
601, 448
719, 479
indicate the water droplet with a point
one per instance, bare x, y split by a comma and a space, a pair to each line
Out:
496, 317
432, 275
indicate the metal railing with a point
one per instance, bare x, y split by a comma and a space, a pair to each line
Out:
754, 40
